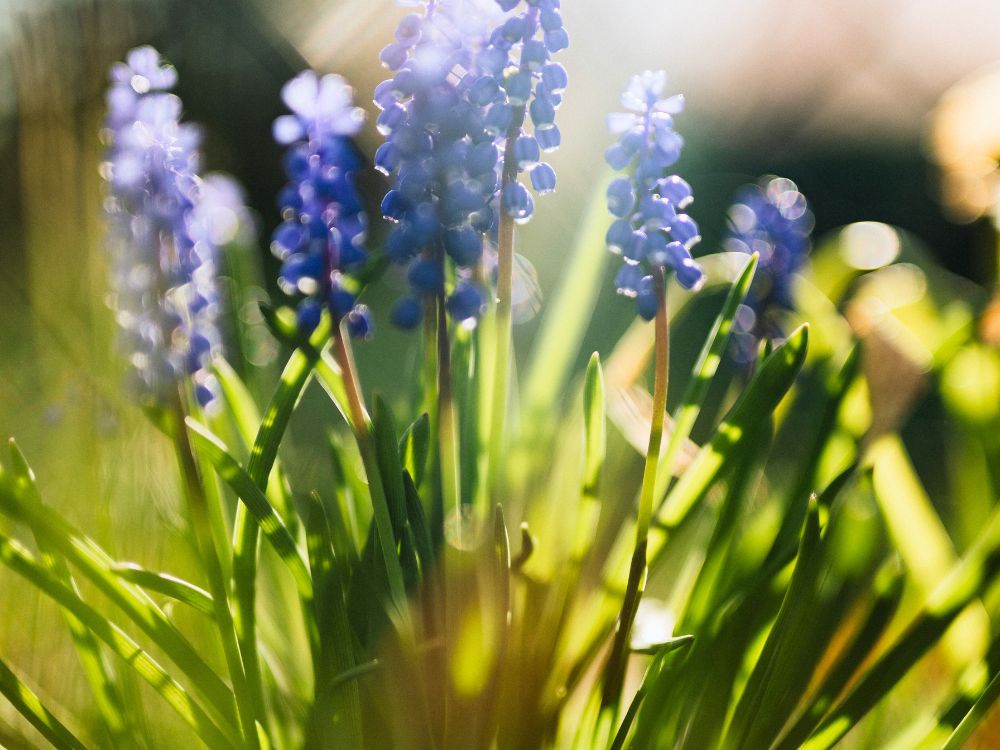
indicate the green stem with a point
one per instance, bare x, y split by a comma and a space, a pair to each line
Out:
615, 671
505, 286
660, 377
447, 429
361, 425
246, 547
430, 401
205, 540
245, 529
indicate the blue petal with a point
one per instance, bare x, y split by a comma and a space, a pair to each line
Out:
621, 197
426, 276
548, 139
466, 302
543, 178
406, 313
517, 202
359, 323
526, 151
556, 40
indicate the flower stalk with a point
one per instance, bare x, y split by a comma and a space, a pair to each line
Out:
249, 706
615, 670
447, 420
504, 325
361, 426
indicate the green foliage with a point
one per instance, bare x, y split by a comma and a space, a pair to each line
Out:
792, 581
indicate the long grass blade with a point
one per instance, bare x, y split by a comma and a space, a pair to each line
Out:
752, 724
769, 385
963, 585
28, 704
275, 530
704, 372
565, 320
975, 716
107, 694
81, 551
888, 591
167, 585
22, 562
337, 709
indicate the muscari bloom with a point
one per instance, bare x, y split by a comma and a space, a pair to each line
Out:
165, 228
651, 230
772, 219
320, 240
467, 75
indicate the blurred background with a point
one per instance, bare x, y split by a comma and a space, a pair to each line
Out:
880, 110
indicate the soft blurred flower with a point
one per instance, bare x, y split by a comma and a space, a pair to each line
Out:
773, 220
165, 228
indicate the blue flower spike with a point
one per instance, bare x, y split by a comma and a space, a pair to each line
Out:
321, 238
165, 228
651, 230
467, 75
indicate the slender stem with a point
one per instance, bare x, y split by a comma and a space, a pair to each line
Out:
360, 421
505, 285
431, 402
661, 376
430, 373
246, 547
361, 424
615, 671
447, 428
201, 522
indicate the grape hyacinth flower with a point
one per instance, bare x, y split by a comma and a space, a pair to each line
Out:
651, 230
772, 219
518, 60
652, 234
164, 231
320, 240
465, 73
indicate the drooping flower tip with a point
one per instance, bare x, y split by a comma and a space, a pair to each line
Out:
166, 226
321, 238
650, 230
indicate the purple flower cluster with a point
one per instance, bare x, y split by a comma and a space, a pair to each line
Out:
465, 73
164, 231
320, 238
651, 231
771, 218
